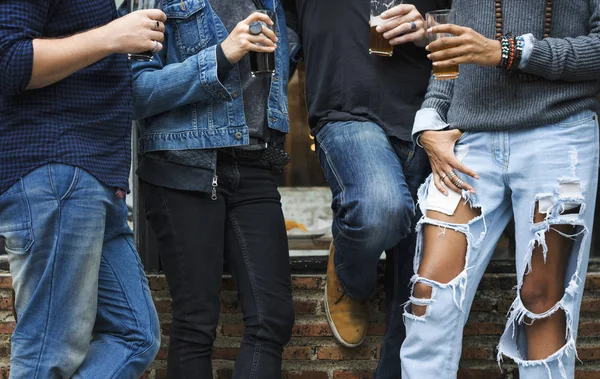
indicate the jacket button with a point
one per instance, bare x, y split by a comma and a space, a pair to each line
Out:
234, 95
275, 79
272, 119
238, 135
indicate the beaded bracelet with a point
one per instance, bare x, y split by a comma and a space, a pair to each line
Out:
519, 44
504, 42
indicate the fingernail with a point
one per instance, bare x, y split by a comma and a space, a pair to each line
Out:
427, 48
383, 15
378, 29
428, 56
476, 176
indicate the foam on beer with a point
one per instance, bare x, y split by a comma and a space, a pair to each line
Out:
376, 21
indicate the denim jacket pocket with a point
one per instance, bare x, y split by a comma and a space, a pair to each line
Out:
15, 220
188, 21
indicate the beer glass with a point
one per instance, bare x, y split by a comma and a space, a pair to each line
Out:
263, 64
379, 45
444, 16
135, 5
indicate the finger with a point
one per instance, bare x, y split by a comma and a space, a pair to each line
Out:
156, 36
438, 185
154, 14
257, 16
270, 34
410, 37
448, 28
153, 46
444, 43
462, 52
398, 10
260, 39
262, 49
404, 28
449, 182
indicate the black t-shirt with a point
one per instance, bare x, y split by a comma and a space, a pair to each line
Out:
344, 82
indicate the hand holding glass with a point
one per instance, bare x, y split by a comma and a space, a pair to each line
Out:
379, 45
263, 64
444, 16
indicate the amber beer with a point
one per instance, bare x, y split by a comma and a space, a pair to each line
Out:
442, 73
379, 45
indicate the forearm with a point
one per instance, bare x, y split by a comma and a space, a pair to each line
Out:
56, 59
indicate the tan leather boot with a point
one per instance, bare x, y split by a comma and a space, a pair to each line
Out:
348, 318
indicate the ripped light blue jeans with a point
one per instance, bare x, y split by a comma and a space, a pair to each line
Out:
554, 167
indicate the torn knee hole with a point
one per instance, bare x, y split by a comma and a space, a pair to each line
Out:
420, 299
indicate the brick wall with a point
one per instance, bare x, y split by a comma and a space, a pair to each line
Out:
313, 352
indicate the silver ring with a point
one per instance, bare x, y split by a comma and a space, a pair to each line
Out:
452, 175
155, 48
413, 26
459, 183
255, 28
157, 25
443, 177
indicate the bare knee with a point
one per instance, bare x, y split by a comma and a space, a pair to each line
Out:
421, 291
538, 296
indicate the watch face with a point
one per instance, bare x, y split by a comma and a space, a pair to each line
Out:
255, 28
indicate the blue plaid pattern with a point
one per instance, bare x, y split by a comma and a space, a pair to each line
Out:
83, 120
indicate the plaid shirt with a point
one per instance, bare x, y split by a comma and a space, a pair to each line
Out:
83, 120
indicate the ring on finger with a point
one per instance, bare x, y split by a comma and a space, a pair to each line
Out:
155, 48
413, 26
255, 28
451, 175
443, 177
459, 183
156, 26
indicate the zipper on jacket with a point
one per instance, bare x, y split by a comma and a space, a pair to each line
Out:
215, 184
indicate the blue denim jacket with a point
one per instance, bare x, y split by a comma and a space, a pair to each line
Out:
179, 101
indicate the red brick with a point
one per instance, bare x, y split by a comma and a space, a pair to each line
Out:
6, 304
163, 352
377, 329
162, 306
482, 305
307, 282
166, 329
305, 306
227, 353
475, 352
479, 373
589, 353
592, 281
161, 373
483, 328
297, 353
339, 353
589, 329
591, 305
158, 283
232, 330
224, 373
352, 375
6, 281
587, 374
305, 375
7, 327
311, 330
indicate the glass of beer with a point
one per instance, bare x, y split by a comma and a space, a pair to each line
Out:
443, 16
263, 64
136, 5
379, 45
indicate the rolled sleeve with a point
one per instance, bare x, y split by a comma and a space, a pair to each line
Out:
427, 119
21, 21
209, 77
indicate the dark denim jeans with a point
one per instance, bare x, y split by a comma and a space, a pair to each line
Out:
374, 181
244, 226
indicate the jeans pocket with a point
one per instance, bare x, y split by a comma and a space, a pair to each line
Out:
15, 220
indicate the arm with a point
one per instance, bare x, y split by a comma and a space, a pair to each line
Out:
569, 59
160, 88
433, 112
29, 61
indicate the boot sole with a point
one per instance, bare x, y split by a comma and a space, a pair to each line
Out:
336, 334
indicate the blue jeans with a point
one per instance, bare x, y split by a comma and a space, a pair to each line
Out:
552, 170
82, 300
374, 180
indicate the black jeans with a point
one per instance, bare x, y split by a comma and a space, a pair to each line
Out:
244, 226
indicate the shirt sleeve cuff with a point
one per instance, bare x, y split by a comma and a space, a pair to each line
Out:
223, 64
207, 69
427, 119
528, 42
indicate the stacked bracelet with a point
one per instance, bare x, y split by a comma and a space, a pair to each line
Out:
512, 52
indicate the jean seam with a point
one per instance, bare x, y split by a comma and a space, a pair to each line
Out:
257, 301
70, 189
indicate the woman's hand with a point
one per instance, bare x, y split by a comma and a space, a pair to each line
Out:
240, 41
403, 23
439, 146
467, 46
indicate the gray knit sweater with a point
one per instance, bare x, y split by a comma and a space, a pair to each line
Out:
486, 98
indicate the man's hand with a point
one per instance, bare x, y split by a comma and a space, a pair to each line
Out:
240, 41
136, 32
403, 24
467, 46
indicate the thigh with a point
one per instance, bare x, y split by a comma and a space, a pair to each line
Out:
257, 251
553, 185
189, 227
360, 164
